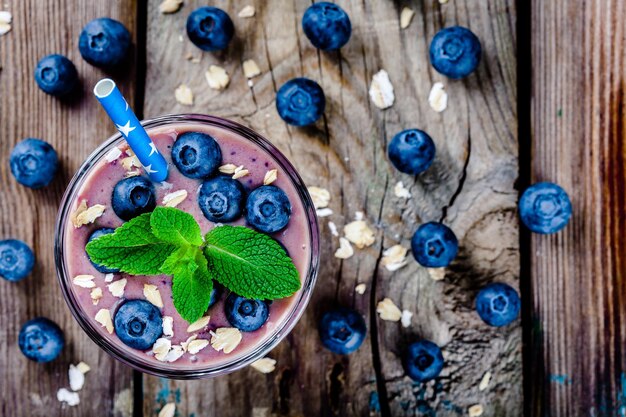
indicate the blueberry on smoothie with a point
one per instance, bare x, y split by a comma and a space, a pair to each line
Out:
210, 28
300, 102
56, 75
33, 163
104, 42
216, 294
545, 208
327, 26
138, 324
342, 330
41, 340
221, 199
434, 245
268, 209
498, 304
411, 151
94, 235
455, 52
245, 314
16, 260
133, 196
423, 361
196, 155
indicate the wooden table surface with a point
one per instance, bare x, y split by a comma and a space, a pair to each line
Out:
546, 103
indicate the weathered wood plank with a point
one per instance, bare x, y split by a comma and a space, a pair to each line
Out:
471, 185
578, 138
74, 128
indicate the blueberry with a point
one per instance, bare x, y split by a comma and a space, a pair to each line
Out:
94, 235
268, 209
498, 304
423, 361
434, 245
216, 294
133, 196
196, 155
545, 208
411, 151
41, 340
245, 314
210, 28
326, 25
221, 199
56, 75
342, 330
300, 102
33, 163
455, 52
104, 42
138, 324
16, 260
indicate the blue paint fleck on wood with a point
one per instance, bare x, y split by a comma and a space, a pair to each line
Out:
374, 402
561, 379
164, 393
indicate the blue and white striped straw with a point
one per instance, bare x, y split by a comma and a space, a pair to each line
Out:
127, 123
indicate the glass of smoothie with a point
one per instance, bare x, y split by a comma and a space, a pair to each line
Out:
213, 345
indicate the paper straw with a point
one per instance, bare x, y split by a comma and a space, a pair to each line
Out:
127, 123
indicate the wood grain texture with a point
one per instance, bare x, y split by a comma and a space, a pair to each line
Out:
470, 187
578, 137
74, 127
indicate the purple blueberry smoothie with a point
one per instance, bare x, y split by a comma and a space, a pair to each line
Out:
95, 296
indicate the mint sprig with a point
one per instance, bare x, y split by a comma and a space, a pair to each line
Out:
133, 248
175, 226
250, 263
191, 288
169, 241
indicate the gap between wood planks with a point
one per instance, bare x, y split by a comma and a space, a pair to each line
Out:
140, 93
531, 346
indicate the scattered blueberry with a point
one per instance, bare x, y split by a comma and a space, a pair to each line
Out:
434, 245
545, 208
33, 163
104, 42
221, 199
455, 52
300, 102
342, 330
327, 26
245, 314
268, 209
216, 293
411, 151
41, 340
498, 304
138, 324
210, 28
196, 155
94, 235
423, 361
16, 260
133, 196
56, 75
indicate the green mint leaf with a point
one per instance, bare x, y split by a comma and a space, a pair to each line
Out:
192, 286
133, 248
175, 226
180, 258
250, 263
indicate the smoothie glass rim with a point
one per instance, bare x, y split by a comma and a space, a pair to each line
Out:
161, 369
